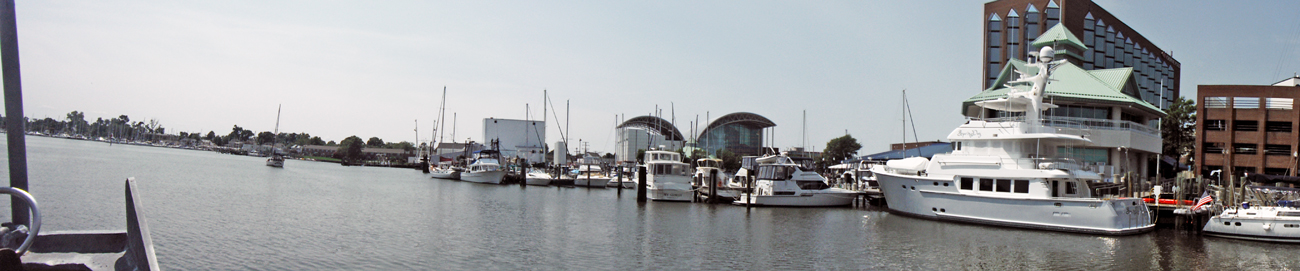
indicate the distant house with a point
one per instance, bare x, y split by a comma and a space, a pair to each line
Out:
368, 153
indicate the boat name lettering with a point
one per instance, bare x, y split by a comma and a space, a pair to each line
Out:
969, 133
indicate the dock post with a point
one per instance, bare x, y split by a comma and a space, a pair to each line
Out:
640, 184
15, 133
621, 172
749, 192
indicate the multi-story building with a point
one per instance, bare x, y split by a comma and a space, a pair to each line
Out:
1247, 128
1010, 25
1100, 103
741, 133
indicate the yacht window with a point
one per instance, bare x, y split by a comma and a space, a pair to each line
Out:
1022, 186
986, 184
812, 185
1292, 225
1071, 188
1003, 185
967, 183
1288, 213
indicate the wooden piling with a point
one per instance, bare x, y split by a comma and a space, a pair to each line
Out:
640, 184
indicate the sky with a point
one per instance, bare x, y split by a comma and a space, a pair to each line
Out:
373, 69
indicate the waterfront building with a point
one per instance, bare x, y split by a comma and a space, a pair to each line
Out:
740, 133
1011, 25
1101, 103
1247, 128
644, 133
517, 138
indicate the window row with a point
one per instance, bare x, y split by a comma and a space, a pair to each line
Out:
1249, 103
1248, 126
996, 185
1247, 148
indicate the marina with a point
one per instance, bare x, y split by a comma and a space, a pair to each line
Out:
317, 215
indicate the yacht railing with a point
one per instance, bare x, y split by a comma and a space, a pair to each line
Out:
1086, 124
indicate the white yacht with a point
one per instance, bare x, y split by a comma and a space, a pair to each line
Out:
667, 177
445, 170
782, 182
485, 169
999, 174
537, 176
591, 175
1270, 223
709, 173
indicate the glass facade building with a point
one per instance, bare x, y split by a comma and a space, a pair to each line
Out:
740, 133
1010, 25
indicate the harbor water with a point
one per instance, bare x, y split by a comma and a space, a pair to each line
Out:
210, 211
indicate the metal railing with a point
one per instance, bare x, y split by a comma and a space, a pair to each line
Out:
1086, 124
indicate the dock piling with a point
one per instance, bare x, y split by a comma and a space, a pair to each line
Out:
640, 184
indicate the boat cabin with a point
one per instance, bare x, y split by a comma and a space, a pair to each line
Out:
666, 163
1022, 187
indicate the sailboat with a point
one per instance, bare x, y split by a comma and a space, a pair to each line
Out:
277, 159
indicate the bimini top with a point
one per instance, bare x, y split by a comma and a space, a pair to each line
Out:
747, 119
659, 125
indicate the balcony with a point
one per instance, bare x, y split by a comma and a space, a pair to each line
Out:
1103, 132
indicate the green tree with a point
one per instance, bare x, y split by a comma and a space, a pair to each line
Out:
351, 148
375, 142
1178, 129
404, 145
839, 149
640, 155
331, 143
315, 140
265, 137
730, 160
78, 122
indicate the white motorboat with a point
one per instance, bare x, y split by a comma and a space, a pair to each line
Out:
485, 169
537, 176
591, 175
782, 182
628, 180
276, 160
445, 170
667, 177
1269, 223
709, 174
999, 174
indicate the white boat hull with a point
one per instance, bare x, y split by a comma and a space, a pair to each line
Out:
918, 196
627, 184
453, 175
487, 177
817, 199
592, 182
1267, 229
275, 163
537, 181
669, 194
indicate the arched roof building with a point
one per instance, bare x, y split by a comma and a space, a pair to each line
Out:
740, 133
659, 125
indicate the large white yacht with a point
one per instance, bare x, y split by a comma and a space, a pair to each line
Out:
485, 169
1000, 173
1266, 223
590, 174
782, 182
667, 177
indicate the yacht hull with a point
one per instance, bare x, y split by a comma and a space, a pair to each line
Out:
591, 182
275, 163
454, 175
807, 200
537, 181
487, 177
1266, 229
919, 196
668, 194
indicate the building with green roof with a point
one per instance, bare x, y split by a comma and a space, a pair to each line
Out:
1100, 102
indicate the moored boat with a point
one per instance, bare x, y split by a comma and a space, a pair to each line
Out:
782, 182
486, 168
667, 177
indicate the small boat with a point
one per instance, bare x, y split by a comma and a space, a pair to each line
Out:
590, 175
537, 176
783, 182
485, 169
276, 159
667, 177
709, 174
628, 181
1259, 223
445, 170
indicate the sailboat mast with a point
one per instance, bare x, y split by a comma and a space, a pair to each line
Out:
442, 114
277, 119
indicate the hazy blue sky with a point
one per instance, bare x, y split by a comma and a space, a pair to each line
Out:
345, 68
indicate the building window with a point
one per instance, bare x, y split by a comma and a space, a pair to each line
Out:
1085, 155
1022, 186
1243, 170
1014, 36
1278, 103
1277, 126
1245, 102
1031, 23
967, 183
1216, 102
1053, 14
1003, 185
1212, 147
1270, 149
1216, 125
986, 184
1245, 125
1075, 111
1275, 171
1244, 148
995, 55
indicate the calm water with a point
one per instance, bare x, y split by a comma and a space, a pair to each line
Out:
210, 211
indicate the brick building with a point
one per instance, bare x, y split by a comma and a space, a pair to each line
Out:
1247, 128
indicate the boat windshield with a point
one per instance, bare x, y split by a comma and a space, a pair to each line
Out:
669, 169
775, 172
707, 163
812, 185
